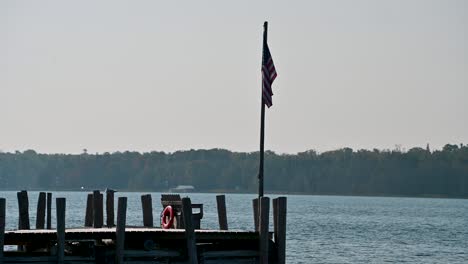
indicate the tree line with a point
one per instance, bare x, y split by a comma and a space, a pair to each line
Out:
416, 172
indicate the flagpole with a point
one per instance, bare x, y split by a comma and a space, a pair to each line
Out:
262, 123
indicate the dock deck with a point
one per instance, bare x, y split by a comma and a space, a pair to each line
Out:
119, 243
19, 237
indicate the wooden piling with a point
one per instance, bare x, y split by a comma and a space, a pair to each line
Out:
2, 226
222, 214
23, 210
110, 208
60, 203
263, 227
98, 213
255, 213
49, 210
189, 231
41, 211
89, 211
147, 207
279, 219
120, 229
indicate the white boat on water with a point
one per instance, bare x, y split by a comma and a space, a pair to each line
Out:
182, 189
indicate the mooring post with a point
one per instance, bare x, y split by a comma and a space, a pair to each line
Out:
2, 226
49, 210
120, 229
60, 203
89, 211
189, 231
41, 211
264, 234
222, 214
255, 213
279, 218
98, 210
110, 207
23, 210
147, 207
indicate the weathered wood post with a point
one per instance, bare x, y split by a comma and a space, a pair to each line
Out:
120, 229
279, 218
23, 210
255, 213
49, 210
110, 207
189, 231
222, 214
41, 211
264, 234
89, 211
60, 203
2, 226
98, 210
147, 207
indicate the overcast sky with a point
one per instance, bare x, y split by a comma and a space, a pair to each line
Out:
176, 75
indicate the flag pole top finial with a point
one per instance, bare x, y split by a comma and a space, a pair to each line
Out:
265, 24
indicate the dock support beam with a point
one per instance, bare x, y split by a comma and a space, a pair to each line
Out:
256, 213
2, 226
60, 202
222, 214
279, 219
89, 211
147, 207
120, 230
189, 231
264, 234
98, 210
41, 211
49, 210
110, 208
23, 210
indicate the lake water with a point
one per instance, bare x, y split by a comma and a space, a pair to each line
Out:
322, 229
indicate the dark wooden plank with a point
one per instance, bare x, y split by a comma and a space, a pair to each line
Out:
256, 213
131, 234
230, 253
46, 259
152, 253
147, 207
2, 226
89, 211
120, 229
49, 210
232, 261
264, 237
280, 232
110, 207
189, 231
41, 211
222, 214
23, 210
60, 203
98, 210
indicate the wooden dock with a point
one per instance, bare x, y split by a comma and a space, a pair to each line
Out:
125, 244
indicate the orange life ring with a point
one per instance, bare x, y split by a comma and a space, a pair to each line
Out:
167, 212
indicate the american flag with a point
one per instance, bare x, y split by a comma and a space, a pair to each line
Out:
268, 76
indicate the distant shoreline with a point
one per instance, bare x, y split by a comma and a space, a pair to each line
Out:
240, 192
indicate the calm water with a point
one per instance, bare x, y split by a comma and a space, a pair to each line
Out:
324, 229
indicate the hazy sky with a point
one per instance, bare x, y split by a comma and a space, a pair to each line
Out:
170, 75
